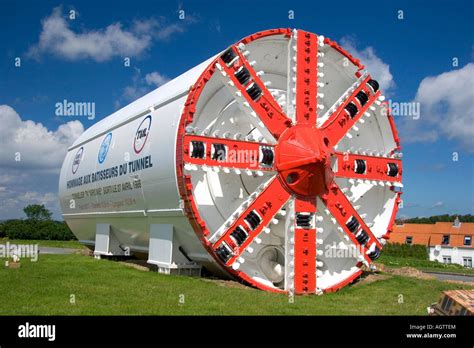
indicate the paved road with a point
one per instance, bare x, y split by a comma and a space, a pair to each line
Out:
57, 251
450, 276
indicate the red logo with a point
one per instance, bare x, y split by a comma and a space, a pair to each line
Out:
141, 135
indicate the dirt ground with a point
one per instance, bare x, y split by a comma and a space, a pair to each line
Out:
405, 271
368, 278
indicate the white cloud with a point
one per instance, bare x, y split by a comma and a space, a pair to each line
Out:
33, 179
167, 32
33, 144
377, 68
58, 38
137, 89
6, 178
403, 216
438, 204
141, 86
31, 197
216, 24
447, 109
155, 78
447, 104
14, 200
411, 131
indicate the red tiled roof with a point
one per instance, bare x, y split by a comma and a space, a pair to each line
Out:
432, 234
464, 297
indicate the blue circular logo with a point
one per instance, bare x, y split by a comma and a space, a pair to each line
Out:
104, 148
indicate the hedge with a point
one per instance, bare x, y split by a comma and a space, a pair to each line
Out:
36, 229
405, 250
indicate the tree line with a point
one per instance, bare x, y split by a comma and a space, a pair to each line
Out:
38, 224
437, 218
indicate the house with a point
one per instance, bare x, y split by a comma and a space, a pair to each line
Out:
447, 242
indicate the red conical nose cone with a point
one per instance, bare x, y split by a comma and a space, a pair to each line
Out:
303, 160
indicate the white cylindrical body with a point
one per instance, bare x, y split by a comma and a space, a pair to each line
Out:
133, 200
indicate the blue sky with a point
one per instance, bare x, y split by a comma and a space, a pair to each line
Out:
413, 55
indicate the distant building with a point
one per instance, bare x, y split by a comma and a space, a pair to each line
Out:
447, 242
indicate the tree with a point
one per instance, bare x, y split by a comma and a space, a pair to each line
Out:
37, 212
440, 218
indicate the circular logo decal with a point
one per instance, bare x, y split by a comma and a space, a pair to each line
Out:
104, 148
77, 160
142, 134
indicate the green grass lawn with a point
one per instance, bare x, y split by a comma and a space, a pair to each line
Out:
423, 265
72, 244
103, 287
